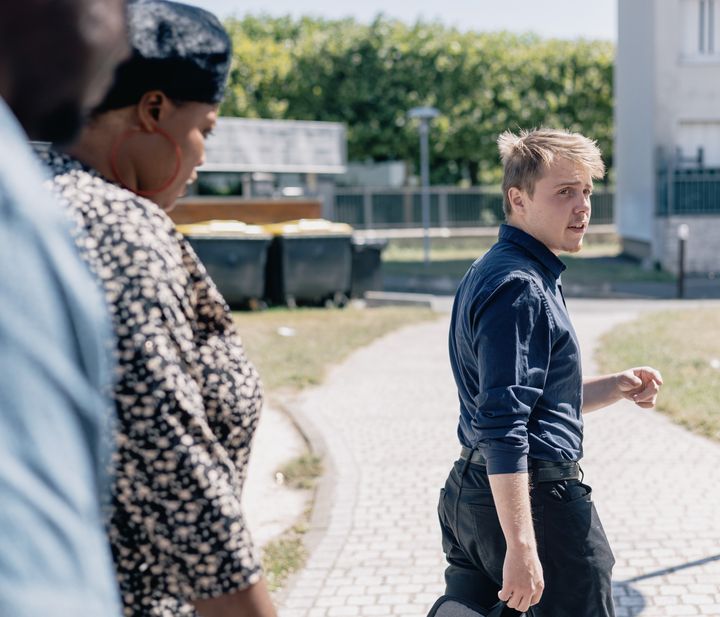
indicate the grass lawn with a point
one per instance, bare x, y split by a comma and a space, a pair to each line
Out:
593, 268
284, 556
685, 346
599, 263
293, 348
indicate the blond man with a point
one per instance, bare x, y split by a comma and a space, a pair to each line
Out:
517, 522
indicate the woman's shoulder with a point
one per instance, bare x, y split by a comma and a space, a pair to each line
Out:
114, 227
103, 203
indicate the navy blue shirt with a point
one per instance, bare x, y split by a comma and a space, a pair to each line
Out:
516, 358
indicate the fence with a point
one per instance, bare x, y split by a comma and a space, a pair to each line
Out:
382, 208
691, 191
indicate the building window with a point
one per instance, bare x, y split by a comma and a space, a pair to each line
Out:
694, 136
706, 32
701, 28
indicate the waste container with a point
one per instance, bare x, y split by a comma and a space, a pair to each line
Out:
309, 262
235, 256
367, 265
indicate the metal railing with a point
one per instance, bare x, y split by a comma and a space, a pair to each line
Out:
386, 208
688, 191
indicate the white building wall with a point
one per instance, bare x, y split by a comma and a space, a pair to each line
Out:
667, 84
688, 81
688, 115
635, 102
701, 254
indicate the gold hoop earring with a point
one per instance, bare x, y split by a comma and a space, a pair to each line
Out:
127, 135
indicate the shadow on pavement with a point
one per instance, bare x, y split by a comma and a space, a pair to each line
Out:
671, 569
632, 601
628, 600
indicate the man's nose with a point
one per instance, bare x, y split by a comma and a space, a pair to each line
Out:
583, 204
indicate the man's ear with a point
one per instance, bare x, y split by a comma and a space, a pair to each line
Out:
151, 109
516, 198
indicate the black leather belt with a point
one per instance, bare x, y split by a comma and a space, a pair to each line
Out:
540, 471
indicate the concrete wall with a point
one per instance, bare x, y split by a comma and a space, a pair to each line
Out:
635, 103
702, 255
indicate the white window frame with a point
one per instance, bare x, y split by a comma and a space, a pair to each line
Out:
706, 28
701, 30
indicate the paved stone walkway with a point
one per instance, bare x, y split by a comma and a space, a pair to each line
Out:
387, 420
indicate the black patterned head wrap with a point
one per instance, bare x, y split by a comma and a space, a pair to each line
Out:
182, 50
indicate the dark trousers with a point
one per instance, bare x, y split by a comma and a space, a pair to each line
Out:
573, 549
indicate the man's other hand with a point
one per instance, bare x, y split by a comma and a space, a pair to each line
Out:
640, 385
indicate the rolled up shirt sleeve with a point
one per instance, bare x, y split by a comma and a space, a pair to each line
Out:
512, 337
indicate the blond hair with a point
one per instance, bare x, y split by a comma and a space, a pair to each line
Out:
528, 155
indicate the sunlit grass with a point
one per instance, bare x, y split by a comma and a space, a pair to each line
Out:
598, 264
685, 346
294, 348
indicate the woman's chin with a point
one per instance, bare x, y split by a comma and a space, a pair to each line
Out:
169, 202
170, 205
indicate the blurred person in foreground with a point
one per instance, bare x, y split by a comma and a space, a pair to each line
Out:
56, 60
517, 521
187, 398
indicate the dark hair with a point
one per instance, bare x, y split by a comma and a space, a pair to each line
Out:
181, 50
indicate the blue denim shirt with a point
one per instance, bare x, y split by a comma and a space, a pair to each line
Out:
54, 554
516, 358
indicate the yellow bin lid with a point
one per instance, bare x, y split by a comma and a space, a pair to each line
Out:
221, 229
309, 227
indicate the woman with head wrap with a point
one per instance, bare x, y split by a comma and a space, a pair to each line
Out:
187, 398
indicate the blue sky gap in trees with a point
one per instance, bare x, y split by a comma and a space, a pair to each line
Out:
567, 19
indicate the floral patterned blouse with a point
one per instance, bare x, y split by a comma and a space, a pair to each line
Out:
187, 399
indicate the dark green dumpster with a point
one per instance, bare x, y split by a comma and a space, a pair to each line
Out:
309, 262
367, 265
235, 256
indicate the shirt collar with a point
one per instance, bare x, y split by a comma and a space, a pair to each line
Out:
537, 249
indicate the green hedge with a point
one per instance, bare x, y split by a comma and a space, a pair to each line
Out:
369, 75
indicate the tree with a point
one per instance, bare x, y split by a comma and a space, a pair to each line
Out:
369, 76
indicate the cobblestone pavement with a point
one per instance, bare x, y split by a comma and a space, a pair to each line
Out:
386, 419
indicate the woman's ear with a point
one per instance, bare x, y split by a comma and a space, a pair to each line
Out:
151, 109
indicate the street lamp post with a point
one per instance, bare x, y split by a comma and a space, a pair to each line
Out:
683, 233
425, 114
